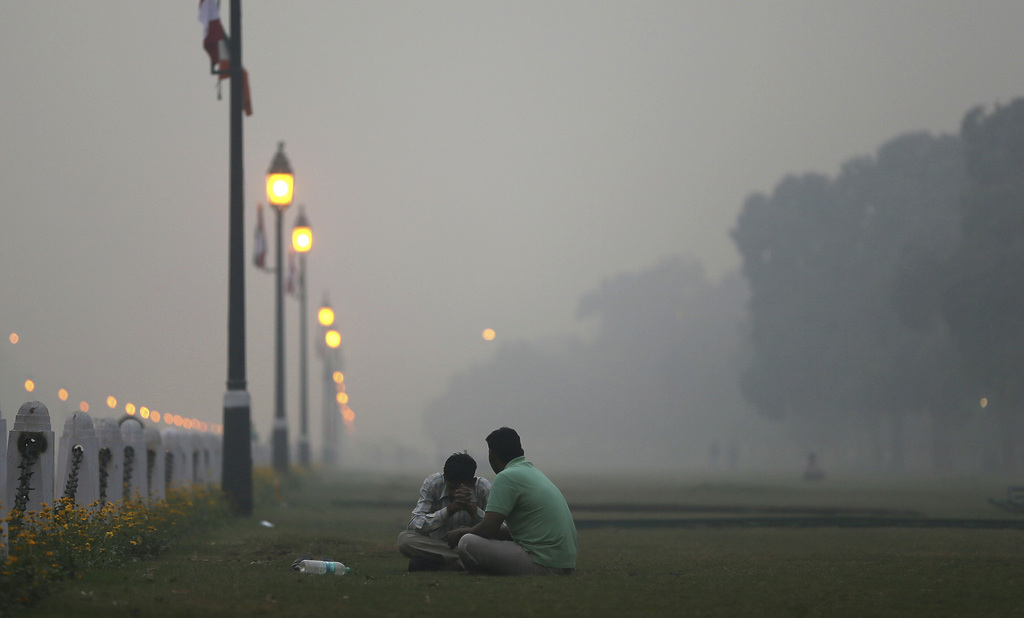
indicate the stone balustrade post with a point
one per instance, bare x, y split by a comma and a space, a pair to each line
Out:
3, 467
111, 460
78, 461
134, 470
30, 450
155, 462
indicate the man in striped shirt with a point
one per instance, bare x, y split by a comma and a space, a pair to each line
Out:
451, 499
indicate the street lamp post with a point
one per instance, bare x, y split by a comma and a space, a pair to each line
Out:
302, 242
236, 475
280, 186
330, 409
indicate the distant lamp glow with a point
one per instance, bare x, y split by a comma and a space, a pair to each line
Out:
154, 416
984, 402
489, 334
342, 398
169, 419
83, 406
347, 415
111, 402
280, 180
332, 338
325, 316
339, 377
302, 234
14, 337
30, 385
144, 412
63, 394
129, 409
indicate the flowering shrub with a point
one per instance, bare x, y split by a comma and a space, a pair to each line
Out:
62, 539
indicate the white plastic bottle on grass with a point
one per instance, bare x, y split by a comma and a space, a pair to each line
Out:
323, 567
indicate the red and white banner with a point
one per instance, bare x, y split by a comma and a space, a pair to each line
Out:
215, 43
259, 254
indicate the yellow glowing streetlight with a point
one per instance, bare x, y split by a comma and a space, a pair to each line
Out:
332, 338
302, 242
280, 185
342, 397
30, 385
339, 377
129, 409
325, 316
280, 180
489, 334
83, 406
63, 394
302, 234
14, 338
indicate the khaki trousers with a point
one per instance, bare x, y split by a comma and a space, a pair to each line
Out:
415, 545
501, 558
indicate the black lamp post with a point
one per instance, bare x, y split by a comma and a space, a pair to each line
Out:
280, 185
302, 242
328, 346
236, 479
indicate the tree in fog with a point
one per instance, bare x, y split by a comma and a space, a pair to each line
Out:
651, 389
984, 301
831, 353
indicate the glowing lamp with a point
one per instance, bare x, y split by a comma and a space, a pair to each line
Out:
332, 338
302, 234
325, 316
280, 180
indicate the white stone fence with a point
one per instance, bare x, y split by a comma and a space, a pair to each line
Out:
98, 461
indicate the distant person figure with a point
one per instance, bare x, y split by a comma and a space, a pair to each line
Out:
734, 456
714, 452
449, 499
813, 472
527, 528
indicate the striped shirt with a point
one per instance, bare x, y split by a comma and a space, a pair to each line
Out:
430, 517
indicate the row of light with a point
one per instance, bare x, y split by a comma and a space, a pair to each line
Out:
130, 409
280, 188
332, 338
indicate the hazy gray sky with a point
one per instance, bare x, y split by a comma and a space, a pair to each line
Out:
464, 165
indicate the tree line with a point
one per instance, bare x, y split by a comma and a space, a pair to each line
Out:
877, 319
895, 291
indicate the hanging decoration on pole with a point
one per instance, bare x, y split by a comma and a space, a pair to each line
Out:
259, 257
215, 42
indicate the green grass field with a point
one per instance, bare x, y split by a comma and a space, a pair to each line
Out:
812, 570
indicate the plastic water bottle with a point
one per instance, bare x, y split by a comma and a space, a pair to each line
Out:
323, 567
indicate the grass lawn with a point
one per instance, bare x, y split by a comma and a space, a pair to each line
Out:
243, 568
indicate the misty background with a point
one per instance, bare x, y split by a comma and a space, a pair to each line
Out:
588, 179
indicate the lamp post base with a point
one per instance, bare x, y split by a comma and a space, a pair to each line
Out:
279, 447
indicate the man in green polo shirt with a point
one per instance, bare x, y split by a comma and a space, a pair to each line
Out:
527, 528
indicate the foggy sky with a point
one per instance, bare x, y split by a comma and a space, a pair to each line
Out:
464, 165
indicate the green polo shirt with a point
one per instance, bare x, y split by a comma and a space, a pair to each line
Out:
536, 514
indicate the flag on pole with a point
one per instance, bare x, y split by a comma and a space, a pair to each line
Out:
290, 283
215, 43
213, 31
259, 257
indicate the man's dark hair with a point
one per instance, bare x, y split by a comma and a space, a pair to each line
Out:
459, 468
505, 444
